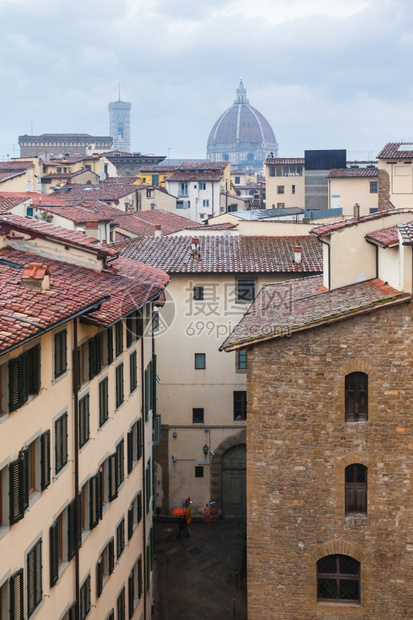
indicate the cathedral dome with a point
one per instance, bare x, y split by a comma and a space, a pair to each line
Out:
242, 135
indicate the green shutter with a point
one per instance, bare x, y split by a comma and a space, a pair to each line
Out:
72, 525
130, 594
111, 555
45, 460
54, 553
130, 450
15, 384
130, 521
148, 485
109, 333
140, 581
113, 483
72, 611
34, 578
99, 577
139, 506
60, 353
147, 395
84, 420
25, 478
25, 379
16, 596
139, 438
92, 360
120, 451
154, 384
15, 491
93, 501
98, 353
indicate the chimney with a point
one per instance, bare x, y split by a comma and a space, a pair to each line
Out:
36, 276
356, 211
158, 230
195, 246
297, 254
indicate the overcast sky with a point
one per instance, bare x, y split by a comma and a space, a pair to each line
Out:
325, 73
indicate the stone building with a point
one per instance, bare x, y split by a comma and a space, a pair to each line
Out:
63, 144
330, 430
119, 124
242, 135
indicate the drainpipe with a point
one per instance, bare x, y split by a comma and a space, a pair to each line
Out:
144, 489
76, 461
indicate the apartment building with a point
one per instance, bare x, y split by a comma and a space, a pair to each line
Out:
77, 368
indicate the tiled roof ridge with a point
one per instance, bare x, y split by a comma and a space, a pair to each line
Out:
326, 228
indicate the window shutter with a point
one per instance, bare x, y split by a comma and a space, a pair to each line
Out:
139, 506
15, 491
60, 354
93, 501
140, 581
147, 396
36, 370
34, 577
139, 438
54, 553
16, 596
25, 376
130, 521
99, 580
98, 353
72, 611
92, 360
45, 460
111, 615
72, 525
129, 330
113, 483
130, 594
148, 486
111, 555
120, 451
153, 385
130, 450
25, 479
109, 333
15, 391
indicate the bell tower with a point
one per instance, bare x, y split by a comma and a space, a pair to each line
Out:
119, 123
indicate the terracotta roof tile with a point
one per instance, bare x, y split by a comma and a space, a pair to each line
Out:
354, 173
406, 231
226, 254
26, 313
397, 150
295, 305
326, 229
384, 237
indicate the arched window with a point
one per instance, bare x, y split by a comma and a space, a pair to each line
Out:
356, 489
338, 579
120, 131
356, 386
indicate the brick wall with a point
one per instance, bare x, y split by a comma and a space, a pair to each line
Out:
384, 191
298, 445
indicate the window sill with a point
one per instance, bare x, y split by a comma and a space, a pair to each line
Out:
338, 604
33, 498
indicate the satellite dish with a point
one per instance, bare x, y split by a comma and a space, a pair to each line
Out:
102, 176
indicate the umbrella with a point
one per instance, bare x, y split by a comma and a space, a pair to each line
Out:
179, 512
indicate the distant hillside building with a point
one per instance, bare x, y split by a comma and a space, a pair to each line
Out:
119, 123
63, 144
242, 135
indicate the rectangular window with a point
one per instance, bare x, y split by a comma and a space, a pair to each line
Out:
202, 186
183, 204
118, 338
121, 605
24, 377
205, 203
84, 420
237, 180
198, 293
34, 578
16, 594
148, 485
133, 372
134, 327
373, 187
105, 566
119, 385
95, 356
63, 540
199, 471
94, 501
241, 360
60, 442
103, 401
133, 590
183, 189
280, 189
60, 353
200, 361
120, 538
198, 416
293, 189
133, 445
245, 290
240, 405
280, 205
134, 514
155, 321
84, 595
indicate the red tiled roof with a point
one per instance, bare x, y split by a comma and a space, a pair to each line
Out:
77, 213
102, 191
203, 165
295, 305
280, 161
160, 169
392, 150
59, 234
15, 165
67, 175
344, 173
326, 229
226, 254
384, 237
406, 231
26, 313
8, 200
195, 175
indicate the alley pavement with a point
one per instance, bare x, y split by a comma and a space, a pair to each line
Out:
201, 577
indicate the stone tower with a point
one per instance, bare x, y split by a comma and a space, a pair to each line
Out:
119, 119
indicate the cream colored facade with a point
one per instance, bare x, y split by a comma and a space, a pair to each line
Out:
150, 198
284, 183
344, 192
44, 534
400, 173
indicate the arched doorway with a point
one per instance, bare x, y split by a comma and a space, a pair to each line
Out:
234, 481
